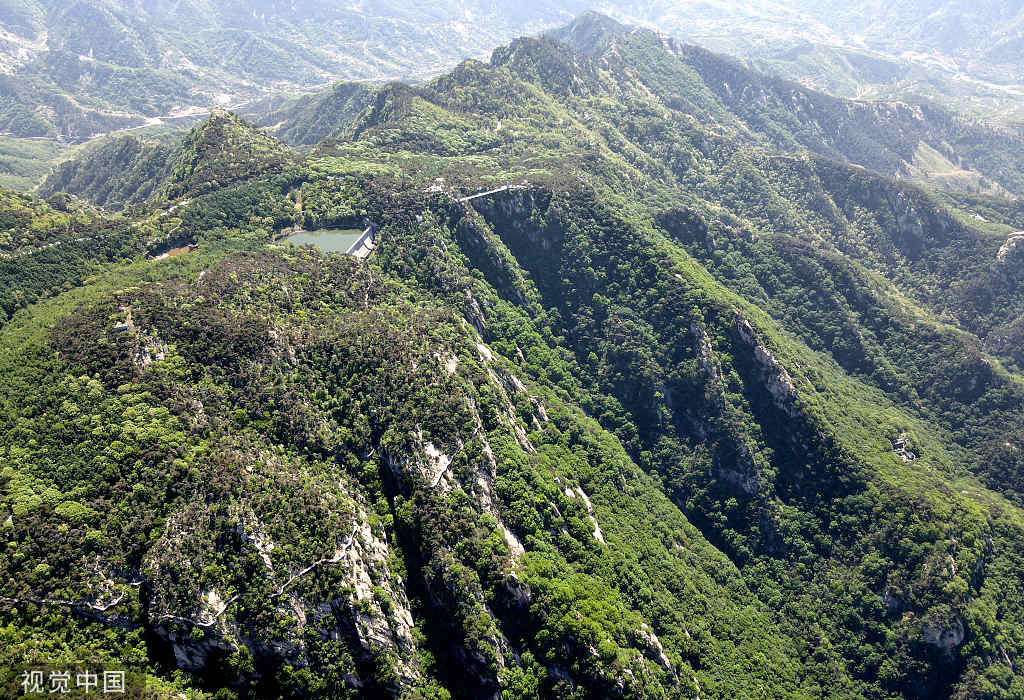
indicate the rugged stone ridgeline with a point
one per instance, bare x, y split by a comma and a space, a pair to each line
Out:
295, 520
614, 433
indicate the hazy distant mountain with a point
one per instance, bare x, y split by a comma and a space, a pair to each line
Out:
82, 68
968, 53
645, 390
966, 30
75, 69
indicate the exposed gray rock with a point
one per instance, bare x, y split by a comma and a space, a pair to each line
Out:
654, 647
1013, 242
945, 636
901, 446
745, 474
191, 654
774, 376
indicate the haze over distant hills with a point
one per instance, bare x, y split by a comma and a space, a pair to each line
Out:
919, 141
654, 376
968, 54
79, 68
75, 69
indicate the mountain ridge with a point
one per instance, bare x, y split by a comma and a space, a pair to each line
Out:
671, 410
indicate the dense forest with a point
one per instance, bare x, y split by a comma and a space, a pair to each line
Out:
701, 400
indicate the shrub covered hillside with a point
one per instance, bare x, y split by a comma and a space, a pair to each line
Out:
117, 172
680, 408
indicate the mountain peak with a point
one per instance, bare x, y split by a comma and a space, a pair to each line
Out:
546, 61
591, 32
221, 150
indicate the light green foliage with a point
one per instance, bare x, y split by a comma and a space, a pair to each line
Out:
25, 162
627, 430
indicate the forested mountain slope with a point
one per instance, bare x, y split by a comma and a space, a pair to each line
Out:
689, 406
97, 65
919, 140
965, 54
131, 170
81, 68
72, 71
671, 81
114, 173
313, 118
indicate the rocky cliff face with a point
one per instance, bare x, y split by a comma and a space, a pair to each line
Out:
611, 436
776, 379
197, 600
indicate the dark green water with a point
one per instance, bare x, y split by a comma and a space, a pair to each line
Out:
330, 240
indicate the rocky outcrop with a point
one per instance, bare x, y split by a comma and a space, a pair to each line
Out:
366, 564
576, 492
743, 473
946, 635
774, 377
204, 610
740, 470
706, 353
487, 253
508, 386
147, 347
653, 645
1014, 242
516, 213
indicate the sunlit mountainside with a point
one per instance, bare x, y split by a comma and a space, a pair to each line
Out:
646, 373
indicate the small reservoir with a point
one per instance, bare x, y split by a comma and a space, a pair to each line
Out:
329, 240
